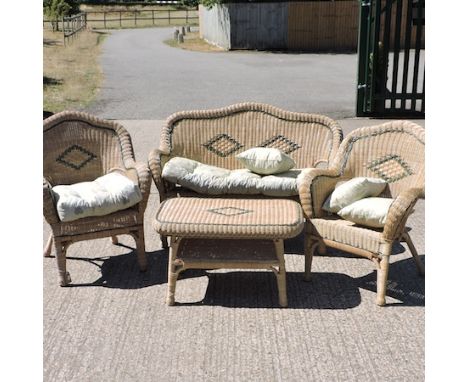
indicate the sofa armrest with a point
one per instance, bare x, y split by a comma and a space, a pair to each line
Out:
48, 204
400, 210
314, 187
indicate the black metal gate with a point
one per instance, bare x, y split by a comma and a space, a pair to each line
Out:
391, 59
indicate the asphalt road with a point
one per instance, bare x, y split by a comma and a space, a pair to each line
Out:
146, 79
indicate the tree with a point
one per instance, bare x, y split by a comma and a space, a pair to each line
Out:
207, 3
57, 9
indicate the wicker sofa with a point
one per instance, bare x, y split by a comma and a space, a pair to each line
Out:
214, 137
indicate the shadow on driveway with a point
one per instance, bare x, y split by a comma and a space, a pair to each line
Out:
247, 289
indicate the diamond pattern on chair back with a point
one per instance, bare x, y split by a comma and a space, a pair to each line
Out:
393, 151
77, 150
214, 137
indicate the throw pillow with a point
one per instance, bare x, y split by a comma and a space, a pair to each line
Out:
352, 190
370, 212
266, 161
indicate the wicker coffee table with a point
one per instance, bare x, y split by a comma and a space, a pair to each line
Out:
212, 233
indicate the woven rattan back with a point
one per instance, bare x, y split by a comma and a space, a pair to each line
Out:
393, 151
78, 147
214, 137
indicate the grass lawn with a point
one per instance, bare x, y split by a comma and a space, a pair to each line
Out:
71, 73
192, 41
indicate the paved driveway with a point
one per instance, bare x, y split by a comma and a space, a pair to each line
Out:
146, 79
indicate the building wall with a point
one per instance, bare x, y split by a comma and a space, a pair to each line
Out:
296, 26
314, 26
215, 25
258, 25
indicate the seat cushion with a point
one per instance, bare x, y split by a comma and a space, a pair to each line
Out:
266, 160
211, 180
343, 231
105, 195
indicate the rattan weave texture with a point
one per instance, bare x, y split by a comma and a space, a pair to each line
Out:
215, 136
393, 151
229, 218
78, 147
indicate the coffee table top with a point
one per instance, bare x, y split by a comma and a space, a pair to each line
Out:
229, 218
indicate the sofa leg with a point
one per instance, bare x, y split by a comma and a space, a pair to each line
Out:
61, 255
48, 246
414, 253
114, 240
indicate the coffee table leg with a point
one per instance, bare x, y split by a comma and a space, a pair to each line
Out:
172, 272
281, 274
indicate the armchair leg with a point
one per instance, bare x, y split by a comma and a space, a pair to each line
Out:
414, 253
139, 237
309, 247
48, 246
382, 276
61, 256
115, 240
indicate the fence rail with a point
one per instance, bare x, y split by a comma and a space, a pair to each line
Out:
73, 24
128, 18
110, 19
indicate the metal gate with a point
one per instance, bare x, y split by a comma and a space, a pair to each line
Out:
391, 55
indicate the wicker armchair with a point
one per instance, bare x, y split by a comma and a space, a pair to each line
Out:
78, 147
393, 151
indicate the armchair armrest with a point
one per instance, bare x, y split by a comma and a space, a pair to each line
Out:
154, 163
399, 211
314, 187
48, 204
144, 179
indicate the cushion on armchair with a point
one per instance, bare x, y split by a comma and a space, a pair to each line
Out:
369, 212
106, 194
212, 180
353, 190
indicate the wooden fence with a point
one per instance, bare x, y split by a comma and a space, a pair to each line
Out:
131, 18
323, 26
141, 17
72, 25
